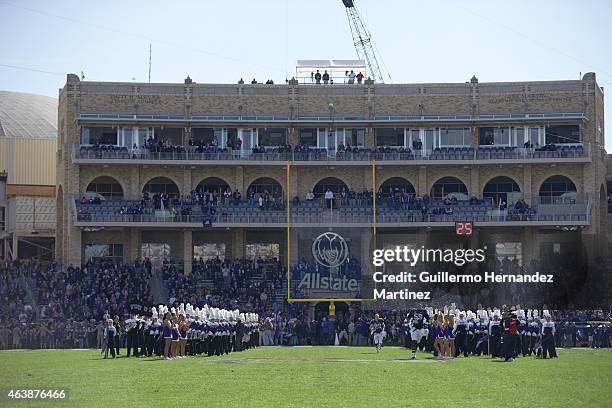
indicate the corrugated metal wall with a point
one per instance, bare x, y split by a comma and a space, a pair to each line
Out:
28, 161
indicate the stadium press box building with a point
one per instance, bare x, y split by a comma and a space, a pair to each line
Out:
516, 168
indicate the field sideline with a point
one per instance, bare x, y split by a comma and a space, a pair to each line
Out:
311, 376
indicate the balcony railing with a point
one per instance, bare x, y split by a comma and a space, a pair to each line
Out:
572, 209
282, 154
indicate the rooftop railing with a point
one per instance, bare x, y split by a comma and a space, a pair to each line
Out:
334, 118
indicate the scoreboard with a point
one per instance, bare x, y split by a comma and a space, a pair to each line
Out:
464, 228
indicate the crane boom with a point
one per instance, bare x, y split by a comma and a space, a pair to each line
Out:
362, 40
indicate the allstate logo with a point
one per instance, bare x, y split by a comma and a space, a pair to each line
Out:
330, 249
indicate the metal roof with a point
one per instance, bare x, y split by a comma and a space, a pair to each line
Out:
27, 116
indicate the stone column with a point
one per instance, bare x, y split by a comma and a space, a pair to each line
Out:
238, 243
474, 187
187, 250
527, 186
422, 181
133, 251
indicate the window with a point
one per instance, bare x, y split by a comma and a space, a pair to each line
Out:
501, 189
559, 134
204, 252
508, 251
455, 137
389, 137
263, 251
84, 136
518, 136
354, 137
107, 187
488, 136
98, 252
204, 136
449, 185
556, 185
272, 137
62, 132
155, 250
308, 137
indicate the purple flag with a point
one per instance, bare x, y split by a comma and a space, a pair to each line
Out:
479, 342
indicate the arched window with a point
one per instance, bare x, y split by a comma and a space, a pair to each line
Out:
212, 185
106, 186
498, 189
332, 183
266, 185
448, 185
556, 185
396, 185
161, 185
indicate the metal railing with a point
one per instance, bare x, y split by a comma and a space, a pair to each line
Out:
320, 154
333, 217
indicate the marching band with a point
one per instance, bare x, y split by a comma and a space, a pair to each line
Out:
172, 333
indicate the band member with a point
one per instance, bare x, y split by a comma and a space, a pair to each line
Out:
131, 328
548, 337
377, 328
461, 329
418, 319
495, 334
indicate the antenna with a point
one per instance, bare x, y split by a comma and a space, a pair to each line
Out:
149, 62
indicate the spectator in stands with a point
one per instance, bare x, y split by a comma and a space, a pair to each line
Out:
329, 198
351, 77
310, 196
325, 77
318, 77
359, 78
254, 81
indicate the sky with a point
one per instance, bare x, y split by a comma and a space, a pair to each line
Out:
223, 41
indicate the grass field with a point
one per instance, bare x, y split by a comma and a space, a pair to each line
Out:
311, 377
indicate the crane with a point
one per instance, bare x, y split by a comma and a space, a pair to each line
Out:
362, 40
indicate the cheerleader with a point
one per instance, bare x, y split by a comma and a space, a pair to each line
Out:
182, 328
437, 334
175, 337
449, 336
167, 333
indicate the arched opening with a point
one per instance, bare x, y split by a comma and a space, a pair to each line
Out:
161, 185
396, 185
266, 185
212, 185
106, 186
449, 186
556, 186
503, 189
331, 183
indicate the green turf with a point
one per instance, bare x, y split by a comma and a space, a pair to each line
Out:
312, 377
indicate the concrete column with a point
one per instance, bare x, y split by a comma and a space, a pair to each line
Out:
187, 183
293, 138
134, 187
474, 187
133, 251
238, 243
239, 180
15, 246
527, 186
75, 247
530, 245
422, 185
187, 250
369, 138
294, 183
